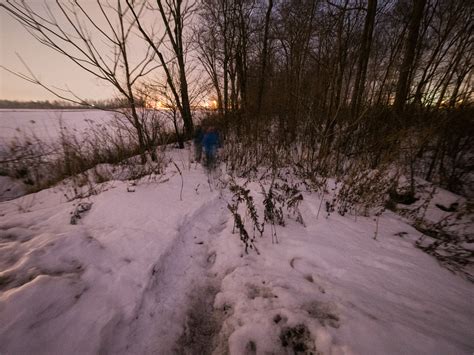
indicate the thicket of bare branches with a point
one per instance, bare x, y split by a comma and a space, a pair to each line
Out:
100, 153
334, 86
116, 42
346, 84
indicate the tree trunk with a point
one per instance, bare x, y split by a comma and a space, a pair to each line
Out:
364, 55
264, 57
403, 85
186, 107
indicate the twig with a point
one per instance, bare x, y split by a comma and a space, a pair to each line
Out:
182, 181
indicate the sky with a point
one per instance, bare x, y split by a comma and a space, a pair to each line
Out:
57, 71
49, 66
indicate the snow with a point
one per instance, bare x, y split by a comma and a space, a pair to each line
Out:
10, 188
46, 123
151, 271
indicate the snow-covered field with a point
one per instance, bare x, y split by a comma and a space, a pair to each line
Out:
146, 272
45, 124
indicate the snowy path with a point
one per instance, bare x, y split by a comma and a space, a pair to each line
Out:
147, 272
179, 278
120, 281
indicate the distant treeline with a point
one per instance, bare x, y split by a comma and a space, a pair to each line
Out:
58, 104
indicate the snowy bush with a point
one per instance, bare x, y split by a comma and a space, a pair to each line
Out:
278, 196
91, 158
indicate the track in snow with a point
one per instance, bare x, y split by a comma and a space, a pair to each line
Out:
175, 313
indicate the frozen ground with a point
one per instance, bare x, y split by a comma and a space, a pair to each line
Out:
146, 272
46, 123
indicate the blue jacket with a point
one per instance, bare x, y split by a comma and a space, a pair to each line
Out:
210, 141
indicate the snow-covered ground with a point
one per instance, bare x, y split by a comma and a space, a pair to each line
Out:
46, 123
147, 271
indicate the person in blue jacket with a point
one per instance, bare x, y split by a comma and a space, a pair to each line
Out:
210, 143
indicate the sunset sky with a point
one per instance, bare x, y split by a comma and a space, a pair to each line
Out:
46, 64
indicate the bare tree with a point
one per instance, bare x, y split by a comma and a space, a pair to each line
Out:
97, 39
208, 49
409, 55
174, 14
264, 55
366, 43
